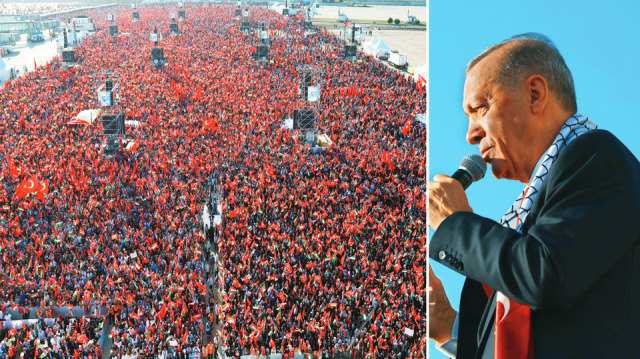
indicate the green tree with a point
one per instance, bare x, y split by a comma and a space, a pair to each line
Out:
390, 21
397, 21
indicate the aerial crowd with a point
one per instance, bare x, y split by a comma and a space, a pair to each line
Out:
320, 251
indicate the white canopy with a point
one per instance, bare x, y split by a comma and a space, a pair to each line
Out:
86, 117
373, 42
381, 46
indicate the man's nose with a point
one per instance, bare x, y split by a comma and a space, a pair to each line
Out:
475, 132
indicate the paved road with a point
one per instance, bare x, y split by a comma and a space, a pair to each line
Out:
24, 52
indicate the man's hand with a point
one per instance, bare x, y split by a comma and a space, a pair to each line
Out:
446, 196
441, 314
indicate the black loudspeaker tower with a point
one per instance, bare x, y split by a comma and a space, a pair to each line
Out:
308, 25
285, 12
112, 124
350, 50
136, 15
181, 14
262, 51
66, 41
68, 56
157, 53
246, 25
307, 83
173, 28
113, 30
303, 120
238, 12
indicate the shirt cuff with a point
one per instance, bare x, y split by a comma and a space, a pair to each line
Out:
450, 347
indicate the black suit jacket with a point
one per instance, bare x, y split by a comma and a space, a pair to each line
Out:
576, 263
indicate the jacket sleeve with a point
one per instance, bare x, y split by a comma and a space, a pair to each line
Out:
578, 227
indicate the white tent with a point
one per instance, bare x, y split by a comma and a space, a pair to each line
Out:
380, 45
86, 117
368, 43
420, 72
5, 70
368, 47
379, 49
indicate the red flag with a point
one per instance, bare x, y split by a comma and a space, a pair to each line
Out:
210, 123
27, 187
13, 170
406, 128
422, 82
386, 158
162, 312
135, 145
8, 83
234, 213
82, 339
43, 188
35, 66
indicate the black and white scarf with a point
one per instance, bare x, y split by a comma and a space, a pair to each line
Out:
574, 127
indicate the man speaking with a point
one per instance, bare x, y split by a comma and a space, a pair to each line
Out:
559, 275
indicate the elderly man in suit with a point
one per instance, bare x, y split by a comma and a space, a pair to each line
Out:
559, 275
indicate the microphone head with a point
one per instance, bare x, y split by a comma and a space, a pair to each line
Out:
475, 166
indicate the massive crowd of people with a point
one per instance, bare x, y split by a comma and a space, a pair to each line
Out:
62, 338
321, 251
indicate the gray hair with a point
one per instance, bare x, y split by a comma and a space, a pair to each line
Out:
534, 54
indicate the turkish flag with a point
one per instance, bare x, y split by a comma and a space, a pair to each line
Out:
406, 128
135, 145
210, 123
234, 213
422, 82
27, 187
386, 158
14, 171
43, 188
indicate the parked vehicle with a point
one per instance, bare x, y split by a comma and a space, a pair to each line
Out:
397, 60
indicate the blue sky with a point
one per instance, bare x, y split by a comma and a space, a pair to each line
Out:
600, 43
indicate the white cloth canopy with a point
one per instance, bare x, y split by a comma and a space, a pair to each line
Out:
381, 46
86, 117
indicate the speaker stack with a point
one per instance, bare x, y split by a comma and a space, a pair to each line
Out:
68, 56
303, 120
262, 51
157, 56
350, 50
113, 30
112, 124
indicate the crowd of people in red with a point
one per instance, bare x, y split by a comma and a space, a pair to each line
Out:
321, 251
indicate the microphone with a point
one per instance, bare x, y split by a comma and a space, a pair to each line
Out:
472, 168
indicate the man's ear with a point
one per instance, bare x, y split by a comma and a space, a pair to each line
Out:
538, 93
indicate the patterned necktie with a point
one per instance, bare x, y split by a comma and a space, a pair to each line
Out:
513, 338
